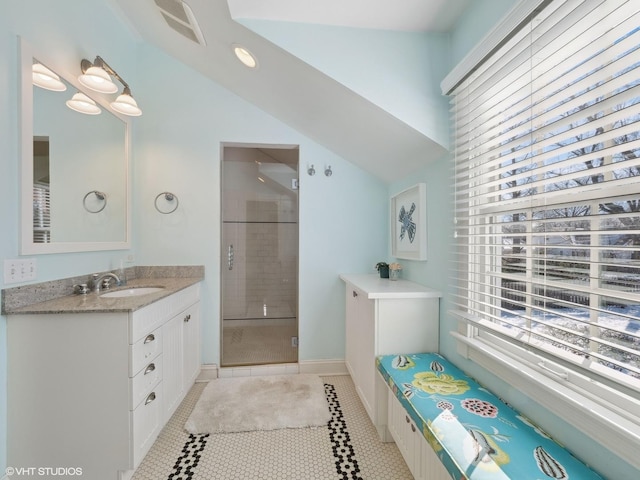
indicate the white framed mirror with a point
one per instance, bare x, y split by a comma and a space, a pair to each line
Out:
74, 175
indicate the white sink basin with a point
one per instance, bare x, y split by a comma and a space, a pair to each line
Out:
131, 292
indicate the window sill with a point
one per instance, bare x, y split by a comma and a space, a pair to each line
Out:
616, 433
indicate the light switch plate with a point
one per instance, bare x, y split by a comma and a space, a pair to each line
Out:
20, 270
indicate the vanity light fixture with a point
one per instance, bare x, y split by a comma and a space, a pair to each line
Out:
45, 78
126, 105
97, 76
245, 56
83, 104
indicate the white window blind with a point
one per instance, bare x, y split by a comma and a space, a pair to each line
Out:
41, 213
547, 192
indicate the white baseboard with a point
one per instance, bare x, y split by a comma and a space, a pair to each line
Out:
319, 367
324, 367
207, 372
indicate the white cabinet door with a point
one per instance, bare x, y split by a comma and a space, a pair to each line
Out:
419, 456
365, 337
351, 331
191, 345
382, 318
181, 357
172, 363
430, 468
146, 422
359, 347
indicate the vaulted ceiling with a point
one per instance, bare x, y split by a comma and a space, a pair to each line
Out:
292, 90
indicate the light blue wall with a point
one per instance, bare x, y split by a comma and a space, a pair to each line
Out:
343, 226
398, 71
8, 210
178, 143
476, 21
176, 147
66, 32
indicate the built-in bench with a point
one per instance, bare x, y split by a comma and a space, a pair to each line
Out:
474, 434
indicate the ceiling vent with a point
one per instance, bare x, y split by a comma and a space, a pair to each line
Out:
180, 17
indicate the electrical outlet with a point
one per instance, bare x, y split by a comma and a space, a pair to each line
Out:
19, 270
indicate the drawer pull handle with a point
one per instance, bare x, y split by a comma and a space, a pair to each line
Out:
406, 419
150, 338
187, 318
150, 368
413, 427
150, 398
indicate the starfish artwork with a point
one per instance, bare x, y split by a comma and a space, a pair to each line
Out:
408, 225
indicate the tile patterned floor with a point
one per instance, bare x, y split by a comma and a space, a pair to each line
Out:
347, 449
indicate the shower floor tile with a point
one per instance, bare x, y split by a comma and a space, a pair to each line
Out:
347, 448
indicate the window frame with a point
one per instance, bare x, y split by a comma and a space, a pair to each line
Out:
613, 412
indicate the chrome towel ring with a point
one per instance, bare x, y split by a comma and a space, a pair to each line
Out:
101, 198
170, 198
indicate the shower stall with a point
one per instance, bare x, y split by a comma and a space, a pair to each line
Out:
259, 255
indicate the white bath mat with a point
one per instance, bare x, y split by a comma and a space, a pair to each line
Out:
244, 404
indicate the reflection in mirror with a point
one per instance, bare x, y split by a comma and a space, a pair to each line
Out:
86, 152
41, 215
67, 154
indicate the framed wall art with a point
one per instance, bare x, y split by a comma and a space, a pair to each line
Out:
409, 223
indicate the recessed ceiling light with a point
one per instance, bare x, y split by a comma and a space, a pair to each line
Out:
245, 56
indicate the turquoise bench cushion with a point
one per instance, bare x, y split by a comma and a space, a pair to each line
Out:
475, 434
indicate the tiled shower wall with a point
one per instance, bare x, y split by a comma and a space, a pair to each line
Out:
271, 269
262, 225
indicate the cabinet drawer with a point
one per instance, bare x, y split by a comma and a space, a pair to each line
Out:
152, 316
144, 350
145, 381
146, 422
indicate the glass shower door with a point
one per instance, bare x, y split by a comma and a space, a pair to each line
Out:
259, 256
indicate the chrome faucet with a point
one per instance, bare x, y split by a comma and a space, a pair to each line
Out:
97, 282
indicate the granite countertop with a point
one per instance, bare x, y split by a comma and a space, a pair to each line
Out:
52, 297
94, 303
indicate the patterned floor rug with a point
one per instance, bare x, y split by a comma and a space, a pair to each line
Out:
271, 402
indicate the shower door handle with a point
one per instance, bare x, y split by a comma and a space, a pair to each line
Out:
230, 257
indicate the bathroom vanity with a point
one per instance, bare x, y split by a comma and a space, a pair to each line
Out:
93, 379
385, 317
